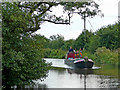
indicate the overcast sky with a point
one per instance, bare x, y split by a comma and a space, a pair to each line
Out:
109, 9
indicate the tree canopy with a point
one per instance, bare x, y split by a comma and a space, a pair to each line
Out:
42, 11
21, 52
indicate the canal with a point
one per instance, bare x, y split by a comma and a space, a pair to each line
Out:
64, 76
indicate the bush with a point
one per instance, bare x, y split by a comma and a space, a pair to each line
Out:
91, 56
103, 56
106, 56
54, 53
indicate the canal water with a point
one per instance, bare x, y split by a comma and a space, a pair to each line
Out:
64, 76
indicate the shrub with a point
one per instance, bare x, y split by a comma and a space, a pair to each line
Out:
106, 56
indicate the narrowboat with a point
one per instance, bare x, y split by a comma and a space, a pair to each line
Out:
78, 62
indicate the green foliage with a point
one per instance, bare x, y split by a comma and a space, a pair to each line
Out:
44, 11
89, 55
109, 36
103, 56
57, 41
67, 44
94, 43
12, 13
80, 41
89, 9
22, 52
106, 56
55, 53
25, 65
106, 37
43, 41
83, 40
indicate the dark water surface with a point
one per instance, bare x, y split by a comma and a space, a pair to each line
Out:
100, 76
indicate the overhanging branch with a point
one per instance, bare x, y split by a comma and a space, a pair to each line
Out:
56, 22
44, 11
32, 29
32, 9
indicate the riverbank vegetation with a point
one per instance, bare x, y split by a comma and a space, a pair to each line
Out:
101, 46
21, 52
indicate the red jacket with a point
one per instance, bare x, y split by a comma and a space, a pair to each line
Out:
71, 55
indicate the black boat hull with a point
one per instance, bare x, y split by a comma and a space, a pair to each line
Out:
81, 64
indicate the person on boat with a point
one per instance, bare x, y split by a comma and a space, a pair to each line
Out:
77, 54
71, 53
80, 53
71, 50
74, 50
86, 59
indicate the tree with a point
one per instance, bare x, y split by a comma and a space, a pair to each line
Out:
21, 52
83, 40
109, 36
42, 40
84, 9
94, 43
67, 44
57, 41
41, 12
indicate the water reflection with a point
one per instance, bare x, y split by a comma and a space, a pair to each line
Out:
79, 78
81, 71
71, 79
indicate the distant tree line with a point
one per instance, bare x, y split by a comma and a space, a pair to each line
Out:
102, 45
104, 37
